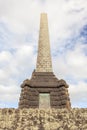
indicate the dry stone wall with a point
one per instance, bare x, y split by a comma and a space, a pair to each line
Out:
40, 119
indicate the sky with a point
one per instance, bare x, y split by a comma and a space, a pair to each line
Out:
19, 32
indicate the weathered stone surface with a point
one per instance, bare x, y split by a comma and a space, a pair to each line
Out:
44, 63
44, 82
43, 119
43, 79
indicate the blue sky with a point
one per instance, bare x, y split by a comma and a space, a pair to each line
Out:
19, 32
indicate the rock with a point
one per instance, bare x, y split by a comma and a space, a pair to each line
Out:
50, 119
61, 129
85, 126
74, 127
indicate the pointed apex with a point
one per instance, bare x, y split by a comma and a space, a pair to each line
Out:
44, 63
42, 14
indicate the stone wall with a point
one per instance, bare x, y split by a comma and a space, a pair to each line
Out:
40, 119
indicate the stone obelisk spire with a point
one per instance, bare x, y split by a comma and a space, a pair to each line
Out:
44, 63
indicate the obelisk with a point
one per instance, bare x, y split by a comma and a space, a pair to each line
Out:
44, 63
43, 82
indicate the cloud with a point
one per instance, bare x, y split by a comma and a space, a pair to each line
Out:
5, 57
76, 61
78, 94
17, 14
17, 63
72, 63
14, 68
19, 32
9, 96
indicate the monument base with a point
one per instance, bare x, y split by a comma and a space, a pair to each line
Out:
46, 83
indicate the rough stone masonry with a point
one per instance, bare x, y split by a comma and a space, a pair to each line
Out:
43, 79
40, 119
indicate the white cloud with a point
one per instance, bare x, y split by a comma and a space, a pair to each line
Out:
20, 15
13, 73
63, 22
9, 95
76, 61
5, 57
72, 63
19, 23
78, 94
18, 63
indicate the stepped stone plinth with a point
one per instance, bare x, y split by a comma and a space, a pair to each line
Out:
43, 79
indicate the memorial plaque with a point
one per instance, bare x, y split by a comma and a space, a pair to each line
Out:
44, 100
